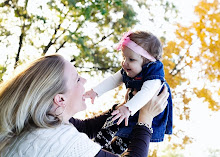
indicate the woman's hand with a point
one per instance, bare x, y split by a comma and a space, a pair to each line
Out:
154, 107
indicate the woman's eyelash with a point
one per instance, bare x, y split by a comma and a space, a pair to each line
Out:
78, 79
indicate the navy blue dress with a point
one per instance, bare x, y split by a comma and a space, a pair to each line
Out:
163, 123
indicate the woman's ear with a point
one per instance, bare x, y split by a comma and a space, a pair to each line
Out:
59, 100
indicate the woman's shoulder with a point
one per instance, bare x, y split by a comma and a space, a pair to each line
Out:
40, 140
58, 141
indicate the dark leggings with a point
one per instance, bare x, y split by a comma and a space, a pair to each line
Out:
107, 139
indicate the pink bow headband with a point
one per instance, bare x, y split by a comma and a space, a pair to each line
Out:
125, 41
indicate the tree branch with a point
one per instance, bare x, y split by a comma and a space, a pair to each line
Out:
62, 45
20, 45
51, 40
181, 58
54, 34
88, 69
103, 38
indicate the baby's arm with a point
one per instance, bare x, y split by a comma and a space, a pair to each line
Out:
107, 84
148, 90
142, 97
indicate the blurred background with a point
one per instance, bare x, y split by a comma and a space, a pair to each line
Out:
86, 32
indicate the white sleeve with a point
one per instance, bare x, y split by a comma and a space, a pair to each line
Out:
142, 97
109, 83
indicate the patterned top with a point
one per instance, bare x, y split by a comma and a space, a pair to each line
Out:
62, 141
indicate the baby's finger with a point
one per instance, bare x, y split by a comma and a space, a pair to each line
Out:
86, 95
120, 120
126, 121
115, 112
92, 100
116, 117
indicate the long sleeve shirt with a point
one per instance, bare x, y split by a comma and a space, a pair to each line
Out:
146, 93
139, 143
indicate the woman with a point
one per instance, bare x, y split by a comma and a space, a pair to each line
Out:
37, 104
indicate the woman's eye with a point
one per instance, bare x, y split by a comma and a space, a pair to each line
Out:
78, 79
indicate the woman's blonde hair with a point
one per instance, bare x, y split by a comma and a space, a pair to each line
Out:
26, 99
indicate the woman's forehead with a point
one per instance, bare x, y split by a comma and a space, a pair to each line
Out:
70, 70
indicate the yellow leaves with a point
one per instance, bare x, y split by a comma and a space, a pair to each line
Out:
154, 154
207, 95
168, 65
205, 33
204, 7
202, 37
171, 47
186, 101
181, 117
185, 35
187, 140
117, 91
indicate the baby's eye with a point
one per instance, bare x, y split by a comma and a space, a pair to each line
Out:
131, 59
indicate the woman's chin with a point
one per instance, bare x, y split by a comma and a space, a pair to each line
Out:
84, 106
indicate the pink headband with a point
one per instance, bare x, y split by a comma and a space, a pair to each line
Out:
125, 41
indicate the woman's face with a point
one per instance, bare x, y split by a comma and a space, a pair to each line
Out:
73, 98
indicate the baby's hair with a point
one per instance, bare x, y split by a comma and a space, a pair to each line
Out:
149, 42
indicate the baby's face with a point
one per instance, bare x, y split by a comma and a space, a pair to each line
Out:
132, 62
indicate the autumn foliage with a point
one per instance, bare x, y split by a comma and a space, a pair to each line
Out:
194, 56
197, 45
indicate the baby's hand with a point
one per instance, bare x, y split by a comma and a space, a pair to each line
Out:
91, 94
123, 112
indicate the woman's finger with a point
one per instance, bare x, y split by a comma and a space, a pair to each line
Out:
163, 93
158, 91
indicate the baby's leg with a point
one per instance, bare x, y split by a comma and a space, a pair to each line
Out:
105, 135
118, 145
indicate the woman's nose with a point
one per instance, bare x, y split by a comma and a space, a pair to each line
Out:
83, 80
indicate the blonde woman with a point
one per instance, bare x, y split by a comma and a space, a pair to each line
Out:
36, 107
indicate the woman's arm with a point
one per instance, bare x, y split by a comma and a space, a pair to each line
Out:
141, 133
92, 126
89, 126
139, 143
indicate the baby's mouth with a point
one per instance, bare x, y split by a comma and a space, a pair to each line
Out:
128, 70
